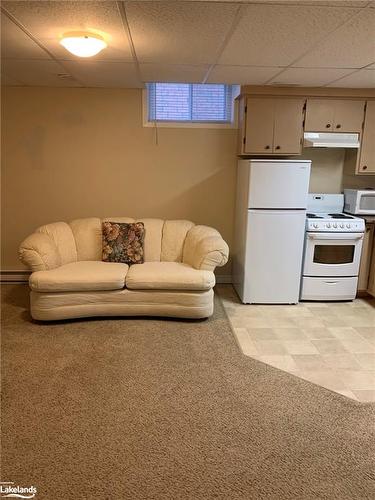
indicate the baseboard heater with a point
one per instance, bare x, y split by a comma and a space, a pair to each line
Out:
14, 276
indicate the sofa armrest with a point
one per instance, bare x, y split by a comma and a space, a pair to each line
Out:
39, 252
205, 248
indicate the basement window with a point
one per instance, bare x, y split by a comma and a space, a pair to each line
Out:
189, 104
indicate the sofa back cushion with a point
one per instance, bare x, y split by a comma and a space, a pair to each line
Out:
153, 236
174, 234
62, 235
88, 236
164, 240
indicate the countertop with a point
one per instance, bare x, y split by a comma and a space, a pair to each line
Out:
370, 219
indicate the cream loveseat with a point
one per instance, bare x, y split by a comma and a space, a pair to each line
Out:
69, 279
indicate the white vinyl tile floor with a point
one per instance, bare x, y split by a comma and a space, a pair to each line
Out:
331, 344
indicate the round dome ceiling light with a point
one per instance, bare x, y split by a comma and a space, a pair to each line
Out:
83, 44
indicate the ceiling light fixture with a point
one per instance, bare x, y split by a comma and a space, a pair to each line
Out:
83, 44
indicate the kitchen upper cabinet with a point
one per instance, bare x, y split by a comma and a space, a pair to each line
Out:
319, 115
288, 126
366, 163
260, 115
349, 116
334, 115
273, 126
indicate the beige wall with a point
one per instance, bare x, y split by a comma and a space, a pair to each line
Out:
70, 153
326, 169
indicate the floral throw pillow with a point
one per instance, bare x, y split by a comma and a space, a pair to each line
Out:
123, 242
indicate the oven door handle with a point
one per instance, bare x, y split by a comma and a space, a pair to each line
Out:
335, 236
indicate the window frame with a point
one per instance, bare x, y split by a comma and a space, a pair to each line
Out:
189, 124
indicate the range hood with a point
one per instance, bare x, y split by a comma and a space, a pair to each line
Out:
330, 140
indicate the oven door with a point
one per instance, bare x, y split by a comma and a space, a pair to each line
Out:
332, 254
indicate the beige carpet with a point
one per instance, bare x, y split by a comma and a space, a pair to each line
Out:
152, 409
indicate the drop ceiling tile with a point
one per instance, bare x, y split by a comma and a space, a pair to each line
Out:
276, 35
309, 77
173, 73
104, 74
16, 44
6, 81
351, 46
49, 20
342, 3
364, 78
37, 72
244, 75
179, 32
325, 3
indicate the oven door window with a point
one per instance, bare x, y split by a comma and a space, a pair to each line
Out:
334, 254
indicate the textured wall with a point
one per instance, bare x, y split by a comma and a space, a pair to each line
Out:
326, 169
70, 153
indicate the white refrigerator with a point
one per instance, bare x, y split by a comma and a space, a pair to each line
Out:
269, 230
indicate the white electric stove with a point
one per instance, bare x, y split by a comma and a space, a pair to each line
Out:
333, 245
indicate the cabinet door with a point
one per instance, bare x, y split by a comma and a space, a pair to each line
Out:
259, 126
371, 281
288, 129
241, 125
363, 277
319, 115
349, 116
367, 153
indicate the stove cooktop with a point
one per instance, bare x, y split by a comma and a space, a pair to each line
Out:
336, 222
328, 216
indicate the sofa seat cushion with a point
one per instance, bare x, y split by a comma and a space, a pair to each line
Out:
80, 276
168, 276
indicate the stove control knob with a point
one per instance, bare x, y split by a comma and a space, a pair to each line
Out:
328, 225
334, 224
315, 225
348, 226
342, 225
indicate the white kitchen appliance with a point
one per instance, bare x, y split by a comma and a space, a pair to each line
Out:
359, 201
333, 246
330, 140
269, 229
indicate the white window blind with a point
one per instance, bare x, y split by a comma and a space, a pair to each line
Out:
190, 102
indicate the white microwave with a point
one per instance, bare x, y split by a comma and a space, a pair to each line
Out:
359, 201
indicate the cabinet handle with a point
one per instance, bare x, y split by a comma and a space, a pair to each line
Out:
278, 147
364, 167
266, 147
328, 125
338, 126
